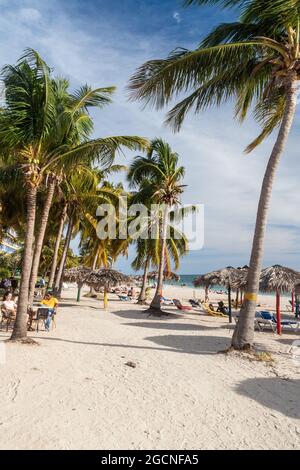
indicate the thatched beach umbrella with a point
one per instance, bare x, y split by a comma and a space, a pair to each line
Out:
239, 282
104, 278
78, 275
107, 278
223, 277
281, 280
168, 275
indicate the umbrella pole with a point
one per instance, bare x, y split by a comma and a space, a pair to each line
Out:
278, 313
293, 301
105, 299
206, 294
296, 306
78, 293
237, 299
229, 303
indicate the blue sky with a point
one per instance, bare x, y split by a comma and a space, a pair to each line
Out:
101, 43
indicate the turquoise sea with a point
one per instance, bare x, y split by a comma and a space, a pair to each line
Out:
188, 280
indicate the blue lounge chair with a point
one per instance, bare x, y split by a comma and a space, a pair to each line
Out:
265, 318
165, 301
124, 298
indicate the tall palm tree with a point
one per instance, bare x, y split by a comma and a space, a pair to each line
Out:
256, 62
73, 126
147, 254
160, 167
58, 237
79, 189
28, 137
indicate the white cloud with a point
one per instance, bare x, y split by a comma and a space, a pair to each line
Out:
177, 17
29, 14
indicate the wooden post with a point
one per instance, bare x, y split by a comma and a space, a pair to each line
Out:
206, 297
105, 299
237, 299
229, 303
278, 313
78, 292
293, 301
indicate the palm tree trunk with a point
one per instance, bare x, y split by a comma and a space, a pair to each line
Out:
142, 296
20, 326
39, 241
58, 280
155, 304
57, 245
95, 261
243, 336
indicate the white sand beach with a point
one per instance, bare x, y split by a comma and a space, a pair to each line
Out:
74, 390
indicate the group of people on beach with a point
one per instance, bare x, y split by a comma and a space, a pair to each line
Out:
10, 283
131, 292
10, 303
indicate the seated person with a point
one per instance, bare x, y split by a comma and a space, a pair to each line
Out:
211, 307
9, 306
131, 292
50, 302
221, 308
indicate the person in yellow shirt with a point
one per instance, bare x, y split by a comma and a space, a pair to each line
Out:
52, 303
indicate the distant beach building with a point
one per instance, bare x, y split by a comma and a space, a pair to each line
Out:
8, 244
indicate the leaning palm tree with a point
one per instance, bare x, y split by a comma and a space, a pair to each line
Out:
256, 62
160, 167
30, 142
147, 252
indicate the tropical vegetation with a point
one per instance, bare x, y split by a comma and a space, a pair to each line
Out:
254, 61
45, 135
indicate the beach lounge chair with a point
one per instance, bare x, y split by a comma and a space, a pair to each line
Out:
266, 318
213, 313
124, 298
179, 305
165, 301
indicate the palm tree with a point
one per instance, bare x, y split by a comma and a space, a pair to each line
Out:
30, 141
78, 188
147, 253
256, 62
160, 167
58, 237
73, 126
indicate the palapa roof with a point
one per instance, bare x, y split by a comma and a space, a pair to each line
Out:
240, 278
108, 278
278, 278
222, 277
96, 279
167, 275
272, 279
78, 274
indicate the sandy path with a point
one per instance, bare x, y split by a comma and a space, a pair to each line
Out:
75, 391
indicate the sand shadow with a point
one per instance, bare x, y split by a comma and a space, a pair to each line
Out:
274, 393
192, 344
171, 326
133, 314
170, 343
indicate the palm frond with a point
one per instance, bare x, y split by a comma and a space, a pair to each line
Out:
86, 97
